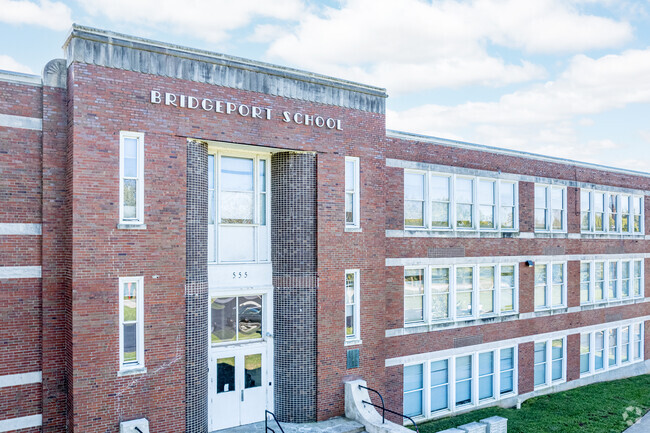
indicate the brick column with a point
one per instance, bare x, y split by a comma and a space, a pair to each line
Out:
293, 237
196, 290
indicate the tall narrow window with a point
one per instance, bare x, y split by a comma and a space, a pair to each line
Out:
585, 282
212, 211
557, 208
507, 368
486, 289
464, 202
636, 213
612, 208
131, 305
463, 380
638, 341
599, 211
439, 293
261, 179
599, 350
613, 346
464, 289
585, 210
507, 288
625, 213
131, 177
352, 192
557, 360
541, 286
440, 201
599, 281
625, 344
413, 199
625, 279
585, 350
413, 387
487, 203
540, 364
541, 208
557, 292
413, 295
485, 375
638, 279
613, 280
352, 310
507, 202
439, 385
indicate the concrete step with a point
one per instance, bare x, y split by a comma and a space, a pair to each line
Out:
332, 425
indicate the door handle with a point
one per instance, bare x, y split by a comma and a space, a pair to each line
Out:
242, 395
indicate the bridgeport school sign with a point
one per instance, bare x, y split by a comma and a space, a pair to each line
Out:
230, 108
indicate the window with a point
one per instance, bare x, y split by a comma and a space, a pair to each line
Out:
131, 304
238, 203
624, 344
549, 362
550, 206
605, 212
550, 285
236, 319
352, 201
413, 389
470, 378
131, 178
352, 307
459, 292
437, 201
622, 278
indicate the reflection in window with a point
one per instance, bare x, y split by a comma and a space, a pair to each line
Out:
236, 319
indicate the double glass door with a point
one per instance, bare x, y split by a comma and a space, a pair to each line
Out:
238, 386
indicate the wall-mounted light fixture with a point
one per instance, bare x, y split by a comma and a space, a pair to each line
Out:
529, 263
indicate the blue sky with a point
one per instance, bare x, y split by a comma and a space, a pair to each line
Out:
567, 78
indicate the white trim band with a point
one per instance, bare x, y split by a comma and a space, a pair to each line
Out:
20, 229
20, 423
21, 379
7, 272
423, 261
22, 122
421, 357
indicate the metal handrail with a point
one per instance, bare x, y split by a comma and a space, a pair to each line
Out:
266, 418
383, 408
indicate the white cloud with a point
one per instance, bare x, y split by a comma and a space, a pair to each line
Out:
45, 13
211, 20
10, 64
545, 118
412, 45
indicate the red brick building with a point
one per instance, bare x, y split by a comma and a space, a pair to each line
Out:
188, 238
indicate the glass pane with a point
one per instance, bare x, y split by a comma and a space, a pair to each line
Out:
507, 300
129, 199
507, 382
463, 367
262, 169
211, 208
250, 317
464, 190
439, 306
556, 374
262, 209
557, 352
486, 192
507, 276
439, 398
439, 214
413, 378
598, 221
485, 363
507, 194
414, 213
540, 197
349, 207
507, 359
486, 215
349, 288
556, 295
413, 281
130, 167
439, 188
413, 186
486, 278
439, 372
130, 157
540, 374
507, 217
585, 203
236, 174
225, 375
584, 363
349, 320
463, 380
349, 176
130, 304
237, 207
558, 273
599, 201
556, 219
557, 198
253, 371
540, 219
486, 302
224, 317
130, 342
613, 276
413, 309
463, 392
464, 215
413, 403
540, 353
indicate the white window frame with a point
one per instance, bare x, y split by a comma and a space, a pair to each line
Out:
356, 194
354, 338
619, 280
139, 220
138, 365
451, 312
620, 196
452, 213
474, 379
549, 363
619, 347
549, 286
256, 157
548, 188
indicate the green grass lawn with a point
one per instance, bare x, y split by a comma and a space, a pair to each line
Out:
597, 408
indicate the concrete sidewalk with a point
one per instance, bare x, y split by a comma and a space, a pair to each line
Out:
641, 426
332, 425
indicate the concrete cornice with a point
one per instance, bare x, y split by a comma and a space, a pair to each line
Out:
114, 50
20, 78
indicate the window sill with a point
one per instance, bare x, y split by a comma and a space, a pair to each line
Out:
352, 342
131, 226
414, 232
543, 312
353, 229
421, 327
132, 371
612, 303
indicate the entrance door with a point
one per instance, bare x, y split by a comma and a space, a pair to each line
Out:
237, 382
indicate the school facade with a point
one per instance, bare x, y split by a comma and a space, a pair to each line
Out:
189, 238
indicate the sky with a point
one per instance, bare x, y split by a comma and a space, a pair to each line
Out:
565, 78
